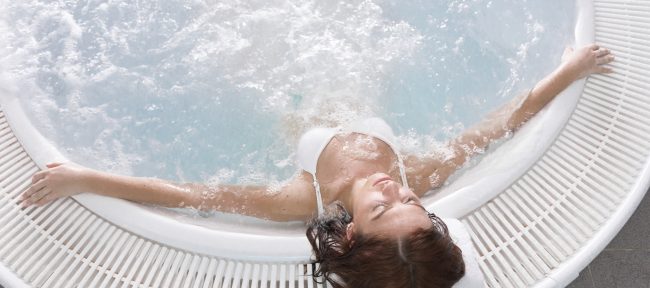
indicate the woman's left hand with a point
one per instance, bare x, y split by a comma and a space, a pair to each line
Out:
587, 60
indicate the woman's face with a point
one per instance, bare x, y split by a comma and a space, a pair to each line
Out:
383, 207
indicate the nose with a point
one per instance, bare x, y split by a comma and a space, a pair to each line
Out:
390, 190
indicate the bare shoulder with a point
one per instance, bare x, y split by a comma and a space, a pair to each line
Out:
299, 194
302, 183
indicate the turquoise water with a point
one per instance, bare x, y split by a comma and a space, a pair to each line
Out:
204, 91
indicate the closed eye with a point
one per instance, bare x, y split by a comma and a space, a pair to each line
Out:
409, 200
378, 206
415, 202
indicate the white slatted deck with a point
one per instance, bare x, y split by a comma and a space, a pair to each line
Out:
542, 230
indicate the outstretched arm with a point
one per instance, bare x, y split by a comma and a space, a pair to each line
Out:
287, 202
432, 172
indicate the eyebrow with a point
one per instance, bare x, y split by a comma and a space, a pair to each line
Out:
380, 213
384, 211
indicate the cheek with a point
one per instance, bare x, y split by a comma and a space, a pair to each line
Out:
361, 209
358, 193
408, 192
357, 209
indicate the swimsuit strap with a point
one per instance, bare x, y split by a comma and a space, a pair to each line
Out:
319, 198
402, 169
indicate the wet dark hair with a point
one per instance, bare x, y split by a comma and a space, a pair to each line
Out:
424, 258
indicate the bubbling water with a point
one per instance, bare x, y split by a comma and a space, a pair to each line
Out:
220, 92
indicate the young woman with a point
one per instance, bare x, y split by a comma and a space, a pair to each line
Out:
365, 192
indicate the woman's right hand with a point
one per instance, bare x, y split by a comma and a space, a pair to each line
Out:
58, 181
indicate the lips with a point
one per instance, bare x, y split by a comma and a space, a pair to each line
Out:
382, 179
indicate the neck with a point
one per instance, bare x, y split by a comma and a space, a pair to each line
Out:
345, 196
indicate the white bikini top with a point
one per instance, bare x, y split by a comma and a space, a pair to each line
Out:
313, 143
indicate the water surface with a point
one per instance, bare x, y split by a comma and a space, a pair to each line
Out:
221, 90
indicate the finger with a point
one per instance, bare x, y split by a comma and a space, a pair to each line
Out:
602, 52
38, 176
594, 47
39, 195
34, 188
25, 204
46, 199
53, 164
603, 69
604, 59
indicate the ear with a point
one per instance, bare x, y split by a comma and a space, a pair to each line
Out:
350, 230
